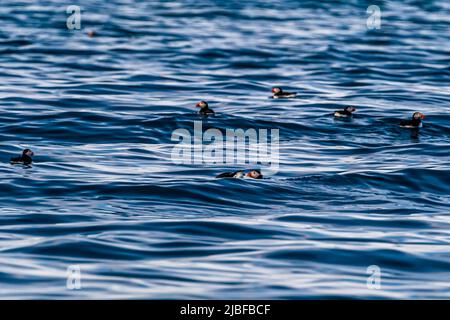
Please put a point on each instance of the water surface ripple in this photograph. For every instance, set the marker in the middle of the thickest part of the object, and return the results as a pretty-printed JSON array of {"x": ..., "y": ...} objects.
[{"x": 104, "y": 195}]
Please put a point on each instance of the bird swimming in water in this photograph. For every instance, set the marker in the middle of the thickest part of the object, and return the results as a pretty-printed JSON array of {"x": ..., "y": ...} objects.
[
  {"x": 204, "y": 108},
  {"x": 415, "y": 122},
  {"x": 243, "y": 174},
  {"x": 346, "y": 113},
  {"x": 25, "y": 158},
  {"x": 278, "y": 93}
]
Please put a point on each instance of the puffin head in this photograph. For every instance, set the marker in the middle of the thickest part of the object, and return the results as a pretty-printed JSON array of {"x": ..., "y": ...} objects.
[
  {"x": 255, "y": 174},
  {"x": 350, "y": 109},
  {"x": 276, "y": 90},
  {"x": 28, "y": 153},
  {"x": 202, "y": 104},
  {"x": 418, "y": 115}
]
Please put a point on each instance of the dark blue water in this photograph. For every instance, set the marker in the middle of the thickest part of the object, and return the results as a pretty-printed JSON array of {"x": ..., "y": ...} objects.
[{"x": 104, "y": 195}]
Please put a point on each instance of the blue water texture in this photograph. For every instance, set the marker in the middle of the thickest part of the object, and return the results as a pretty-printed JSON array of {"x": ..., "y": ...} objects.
[{"x": 104, "y": 195}]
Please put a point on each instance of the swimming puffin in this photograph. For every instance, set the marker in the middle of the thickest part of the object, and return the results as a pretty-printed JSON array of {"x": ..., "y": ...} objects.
[
  {"x": 346, "y": 113},
  {"x": 415, "y": 122},
  {"x": 278, "y": 93},
  {"x": 243, "y": 174},
  {"x": 25, "y": 158},
  {"x": 204, "y": 108}
]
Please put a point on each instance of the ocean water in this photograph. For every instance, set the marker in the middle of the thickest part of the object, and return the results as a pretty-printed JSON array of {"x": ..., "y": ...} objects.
[{"x": 105, "y": 201}]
